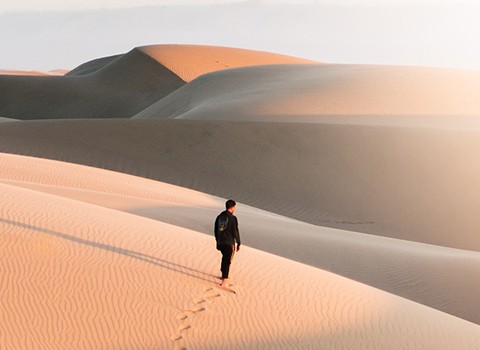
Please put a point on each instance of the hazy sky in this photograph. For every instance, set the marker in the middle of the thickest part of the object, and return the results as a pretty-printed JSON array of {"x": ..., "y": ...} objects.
[
  {"x": 62, "y": 5},
  {"x": 51, "y": 34}
]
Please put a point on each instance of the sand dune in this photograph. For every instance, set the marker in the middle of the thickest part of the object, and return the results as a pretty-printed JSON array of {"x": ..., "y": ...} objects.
[
  {"x": 387, "y": 181},
  {"x": 315, "y": 93},
  {"x": 94, "y": 65},
  {"x": 341, "y": 171},
  {"x": 121, "y": 89},
  {"x": 423, "y": 273},
  {"x": 127, "y": 281},
  {"x": 119, "y": 86},
  {"x": 191, "y": 61}
]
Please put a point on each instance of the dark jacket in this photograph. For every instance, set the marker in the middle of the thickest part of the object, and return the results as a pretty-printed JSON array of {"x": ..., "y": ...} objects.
[{"x": 230, "y": 235}]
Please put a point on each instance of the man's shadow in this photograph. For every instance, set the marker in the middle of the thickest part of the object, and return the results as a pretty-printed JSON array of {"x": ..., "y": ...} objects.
[{"x": 185, "y": 270}]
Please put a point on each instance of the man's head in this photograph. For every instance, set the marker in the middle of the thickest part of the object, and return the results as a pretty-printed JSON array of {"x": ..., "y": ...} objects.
[{"x": 230, "y": 205}]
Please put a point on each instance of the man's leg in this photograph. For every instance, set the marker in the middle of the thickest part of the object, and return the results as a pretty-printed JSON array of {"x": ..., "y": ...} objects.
[{"x": 227, "y": 254}]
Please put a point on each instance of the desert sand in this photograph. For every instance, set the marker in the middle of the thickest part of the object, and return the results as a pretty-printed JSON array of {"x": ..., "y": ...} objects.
[
  {"x": 191, "y": 61},
  {"x": 311, "y": 92},
  {"x": 355, "y": 184},
  {"x": 84, "y": 275},
  {"x": 6, "y": 119},
  {"x": 94, "y": 91},
  {"x": 33, "y": 72}
]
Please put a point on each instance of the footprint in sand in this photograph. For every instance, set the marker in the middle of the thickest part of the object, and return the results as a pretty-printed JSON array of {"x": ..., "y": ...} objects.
[
  {"x": 184, "y": 315},
  {"x": 198, "y": 308},
  {"x": 184, "y": 327},
  {"x": 212, "y": 293},
  {"x": 177, "y": 337},
  {"x": 177, "y": 341}
]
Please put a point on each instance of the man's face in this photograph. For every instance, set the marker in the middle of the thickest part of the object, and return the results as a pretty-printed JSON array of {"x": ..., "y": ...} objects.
[{"x": 232, "y": 209}]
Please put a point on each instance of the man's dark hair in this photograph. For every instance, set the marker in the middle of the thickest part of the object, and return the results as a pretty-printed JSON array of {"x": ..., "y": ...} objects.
[{"x": 230, "y": 204}]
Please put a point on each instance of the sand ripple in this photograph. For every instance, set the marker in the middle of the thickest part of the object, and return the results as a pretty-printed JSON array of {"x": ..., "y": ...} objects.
[{"x": 80, "y": 275}]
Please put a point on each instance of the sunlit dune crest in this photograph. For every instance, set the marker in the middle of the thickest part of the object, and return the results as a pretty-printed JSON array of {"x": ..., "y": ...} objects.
[{"x": 191, "y": 61}]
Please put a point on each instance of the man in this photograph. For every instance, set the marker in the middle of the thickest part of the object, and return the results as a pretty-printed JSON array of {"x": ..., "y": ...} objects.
[{"x": 226, "y": 235}]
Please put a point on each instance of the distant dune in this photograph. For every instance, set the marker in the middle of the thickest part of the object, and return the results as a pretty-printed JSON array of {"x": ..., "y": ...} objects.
[
  {"x": 356, "y": 183},
  {"x": 120, "y": 89},
  {"x": 94, "y": 65},
  {"x": 35, "y": 73},
  {"x": 316, "y": 93},
  {"x": 119, "y": 86},
  {"x": 191, "y": 61}
]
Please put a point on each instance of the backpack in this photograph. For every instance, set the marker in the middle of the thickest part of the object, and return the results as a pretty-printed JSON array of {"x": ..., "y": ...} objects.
[{"x": 222, "y": 223}]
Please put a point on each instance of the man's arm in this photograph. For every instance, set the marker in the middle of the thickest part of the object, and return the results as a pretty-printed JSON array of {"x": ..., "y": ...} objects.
[
  {"x": 215, "y": 229},
  {"x": 237, "y": 235}
]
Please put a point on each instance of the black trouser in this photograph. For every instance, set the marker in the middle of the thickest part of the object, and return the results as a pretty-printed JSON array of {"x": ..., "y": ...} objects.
[{"x": 227, "y": 256}]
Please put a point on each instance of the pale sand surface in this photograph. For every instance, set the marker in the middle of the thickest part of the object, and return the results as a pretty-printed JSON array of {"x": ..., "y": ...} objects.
[
  {"x": 83, "y": 275},
  {"x": 321, "y": 92},
  {"x": 191, "y": 61},
  {"x": 37, "y": 73}
]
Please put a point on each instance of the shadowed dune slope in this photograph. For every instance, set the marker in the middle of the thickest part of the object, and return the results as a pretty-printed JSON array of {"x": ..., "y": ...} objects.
[
  {"x": 308, "y": 92},
  {"x": 191, "y": 61},
  {"x": 120, "y": 89},
  {"x": 93, "y": 65},
  {"x": 413, "y": 184},
  {"x": 130, "y": 282}
]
